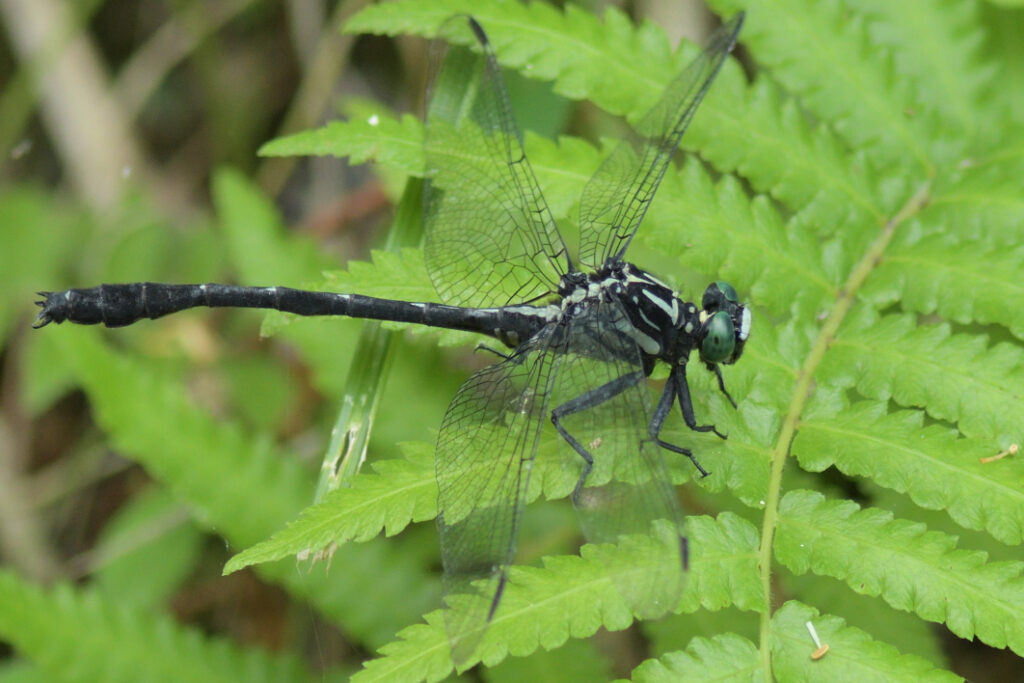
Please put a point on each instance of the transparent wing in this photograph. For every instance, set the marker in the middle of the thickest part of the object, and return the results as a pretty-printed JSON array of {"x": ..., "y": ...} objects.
[
  {"x": 485, "y": 451},
  {"x": 627, "y": 498},
  {"x": 616, "y": 198},
  {"x": 490, "y": 237}
]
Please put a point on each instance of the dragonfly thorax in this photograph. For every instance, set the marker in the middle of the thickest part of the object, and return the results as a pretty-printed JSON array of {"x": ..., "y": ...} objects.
[
  {"x": 646, "y": 309},
  {"x": 663, "y": 325}
]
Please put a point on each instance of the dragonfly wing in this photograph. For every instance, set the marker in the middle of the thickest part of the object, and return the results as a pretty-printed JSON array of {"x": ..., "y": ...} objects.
[
  {"x": 485, "y": 453},
  {"x": 616, "y": 198},
  {"x": 627, "y": 498},
  {"x": 490, "y": 237}
]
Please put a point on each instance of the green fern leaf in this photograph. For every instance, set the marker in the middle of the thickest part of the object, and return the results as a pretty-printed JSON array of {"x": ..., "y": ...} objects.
[
  {"x": 903, "y": 630},
  {"x": 936, "y": 46},
  {"x": 928, "y": 366},
  {"x": 963, "y": 282},
  {"x": 398, "y": 143},
  {"x": 577, "y": 660},
  {"x": 562, "y": 169},
  {"x": 845, "y": 83},
  {"x": 572, "y": 596},
  {"x": 852, "y": 654},
  {"x": 621, "y": 67},
  {"x": 736, "y": 130},
  {"x": 397, "y": 493},
  {"x": 711, "y": 214},
  {"x": 724, "y": 657},
  {"x": 751, "y": 127},
  {"x": 982, "y": 198},
  {"x": 910, "y": 567},
  {"x": 743, "y": 241},
  {"x": 262, "y": 252},
  {"x": 938, "y": 470},
  {"x": 104, "y": 640}
]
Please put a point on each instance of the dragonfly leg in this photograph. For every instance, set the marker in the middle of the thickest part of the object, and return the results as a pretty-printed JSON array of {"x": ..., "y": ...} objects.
[
  {"x": 686, "y": 403},
  {"x": 586, "y": 401},
  {"x": 661, "y": 414},
  {"x": 721, "y": 384},
  {"x": 496, "y": 352}
]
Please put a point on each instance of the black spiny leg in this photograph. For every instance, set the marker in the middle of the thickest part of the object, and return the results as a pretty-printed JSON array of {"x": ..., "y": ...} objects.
[
  {"x": 500, "y": 354},
  {"x": 586, "y": 401},
  {"x": 686, "y": 403},
  {"x": 661, "y": 414},
  {"x": 721, "y": 383}
]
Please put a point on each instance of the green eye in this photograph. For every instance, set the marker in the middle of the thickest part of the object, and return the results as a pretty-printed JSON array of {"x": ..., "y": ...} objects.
[
  {"x": 726, "y": 289},
  {"x": 720, "y": 339}
]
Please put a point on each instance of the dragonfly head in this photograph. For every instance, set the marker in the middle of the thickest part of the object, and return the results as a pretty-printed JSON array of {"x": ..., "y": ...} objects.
[{"x": 725, "y": 325}]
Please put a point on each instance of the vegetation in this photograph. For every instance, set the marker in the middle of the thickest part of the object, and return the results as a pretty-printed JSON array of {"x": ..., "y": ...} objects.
[{"x": 857, "y": 175}]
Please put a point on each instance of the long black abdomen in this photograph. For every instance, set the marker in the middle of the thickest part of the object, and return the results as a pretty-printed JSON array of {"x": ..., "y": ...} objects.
[{"x": 120, "y": 305}]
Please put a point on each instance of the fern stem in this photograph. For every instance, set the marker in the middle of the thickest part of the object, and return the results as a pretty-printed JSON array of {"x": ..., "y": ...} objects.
[{"x": 802, "y": 392}]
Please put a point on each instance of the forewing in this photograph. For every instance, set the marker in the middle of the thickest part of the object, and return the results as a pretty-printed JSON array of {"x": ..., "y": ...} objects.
[
  {"x": 628, "y": 498},
  {"x": 490, "y": 237},
  {"x": 616, "y": 198},
  {"x": 485, "y": 451}
]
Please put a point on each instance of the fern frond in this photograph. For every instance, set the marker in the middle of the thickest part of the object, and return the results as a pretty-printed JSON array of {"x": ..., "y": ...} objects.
[
  {"x": 739, "y": 128},
  {"x": 723, "y": 657},
  {"x": 837, "y": 133},
  {"x": 910, "y": 567},
  {"x": 262, "y": 252},
  {"x": 955, "y": 377},
  {"x": 397, "y": 142},
  {"x": 981, "y": 200},
  {"x": 749, "y": 128},
  {"x": 622, "y": 68},
  {"x": 966, "y": 282},
  {"x": 936, "y": 46},
  {"x": 573, "y": 596},
  {"x": 562, "y": 169},
  {"x": 743, "y": 240},
  {"x": 397, "y": 493},
  {"x": 903, "y": 630},
  {"x": 852, "y": 655},
  {"x": 577, "y": 660},
  {"x": 105, "y": 640},
  {"x": 846, "y": 83},
  {"x": 938, "y": 470}
]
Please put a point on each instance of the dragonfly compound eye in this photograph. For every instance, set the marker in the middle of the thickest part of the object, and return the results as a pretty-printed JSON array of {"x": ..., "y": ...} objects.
[
  {"x": 720, "y": 339},
  {"x": 719, "y": 296},
  {"x": 727, "y": 291}
]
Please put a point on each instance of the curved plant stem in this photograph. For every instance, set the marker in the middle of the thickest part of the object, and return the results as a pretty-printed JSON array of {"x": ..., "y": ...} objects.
[{"x": 801, "y": 393}]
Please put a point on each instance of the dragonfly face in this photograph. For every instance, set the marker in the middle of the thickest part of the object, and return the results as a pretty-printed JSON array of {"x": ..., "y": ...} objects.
[{"x": 724, "y": 325}]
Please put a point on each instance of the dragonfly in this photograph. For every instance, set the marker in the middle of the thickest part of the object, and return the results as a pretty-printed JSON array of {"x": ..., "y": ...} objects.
[{"x": 582, "y": 334}]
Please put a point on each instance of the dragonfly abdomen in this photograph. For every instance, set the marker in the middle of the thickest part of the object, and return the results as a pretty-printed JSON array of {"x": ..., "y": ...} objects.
[{"x": 123, "y": 304}]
